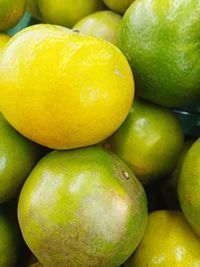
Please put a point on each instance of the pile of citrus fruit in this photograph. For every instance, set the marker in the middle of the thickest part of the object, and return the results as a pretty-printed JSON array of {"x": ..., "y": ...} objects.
[{"x": 95, "y": 168}]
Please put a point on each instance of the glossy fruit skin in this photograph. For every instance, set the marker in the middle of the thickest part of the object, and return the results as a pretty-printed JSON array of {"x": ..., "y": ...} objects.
[
  {"x": 103, "y": 24},
  {"x": 10, "y": 13},
  {"x": 189, "y": 186},
  {"x": 160, "y": 39},
  {"x": 118, "y": 5},
  {"x": 168, "y": 241},
  {"x": 9, "y": 242},
  {"x": 17, "y": 158},
  {"x": 82, "y": 207},
  {"x": 66, "y": 12},
  {"x": 150, "y": 141},
  {"x": 66, "y": 103}
]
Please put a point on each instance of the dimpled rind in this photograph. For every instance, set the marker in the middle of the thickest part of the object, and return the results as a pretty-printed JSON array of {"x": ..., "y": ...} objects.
[
  {"x": 161, "y": 41},
  {"x": 62, "y": 89}
]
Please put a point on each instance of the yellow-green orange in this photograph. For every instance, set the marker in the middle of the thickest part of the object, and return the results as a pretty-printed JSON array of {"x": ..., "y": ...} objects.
[
  {"x": 150, "y": 141},
  {"x": 17, "y": 158},
  {"x": 78, "y": 98},
  {"x": 118, "y": 5},
  {"x": 67, "y": 12},
  {"x": 102, "y": 24},
  {"x": 9, "y": 241},
  {"x": 189, "y": 186},
  {"x": 161, "y": 41},
  {"x": 168, "y": 241},
  {"x": 82, "y": 207},
  {"x": 10, "y": 13}
]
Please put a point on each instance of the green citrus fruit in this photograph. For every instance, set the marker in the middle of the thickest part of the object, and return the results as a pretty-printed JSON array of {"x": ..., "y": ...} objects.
[
  {"x": 118, "y": 5},
  {"x": 168, "y": 241},
  {"x": 102, "y": 24},
  {"x": 66, "y": 12},
  {"x": 87, "y": 209},
  {"x": 160, "y": 39},
  {"x": 10, "y": 13},
  {"x": 17, "y": 157},
  {"x": 9, "y": 241},
  {"x": 169, "y": 185},
  {"x": 150, "y": 141},
  {"x": 71, "y": 105},
  {"x": 189, "y": 186}
]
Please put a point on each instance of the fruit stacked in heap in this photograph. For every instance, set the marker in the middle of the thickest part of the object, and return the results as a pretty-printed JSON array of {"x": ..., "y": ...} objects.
[{"x": 88, "y": 139}]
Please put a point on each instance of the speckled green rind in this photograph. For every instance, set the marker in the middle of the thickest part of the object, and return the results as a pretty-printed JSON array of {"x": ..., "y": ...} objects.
[
  {"x": 189, "y": 186},
  {"x": 161, "y": 41},
  {"x": 18, "y": 156},
  {"x": 150, "y": 141},
  {"x": 11, "y": 11},
  {"x": 82, "y": 207},
  {"x": 9, "y": 242}
]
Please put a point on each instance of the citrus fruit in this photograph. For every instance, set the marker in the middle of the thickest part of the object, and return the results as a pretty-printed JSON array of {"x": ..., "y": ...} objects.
[
  {"x": 82, "y": 207},
  {"x": 78, "y": 98},
  {"x": 160, "y": 39},
  {"x": 66, "y": 12},
  {"x": 10, "y": 13},
  {"x": 189, "y": 186},
  {"x": 33, "y": 9},
  {"x": 169, "y": 185},
  {"x": 168, "y": 241},
  {"x": 118, "y": 5},
  {"x": 17, "y": 157},
  {"x": 102, "y": 24},
  {"x": 145, "y": 141},
  {"x": 4, "y": 38},
  {"x": 9, "y": 241}
]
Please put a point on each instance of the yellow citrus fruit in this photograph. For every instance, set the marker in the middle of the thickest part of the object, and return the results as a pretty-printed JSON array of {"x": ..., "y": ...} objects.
[
  {"x": 64, "y": 90},
  {"x": 11, "y": 11},
  {"x": 67, "y": 12},
  {"x": 103, "y": 24},
  {"x": 169, "y": 241},
  {"x": 4, "y": 38}
]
